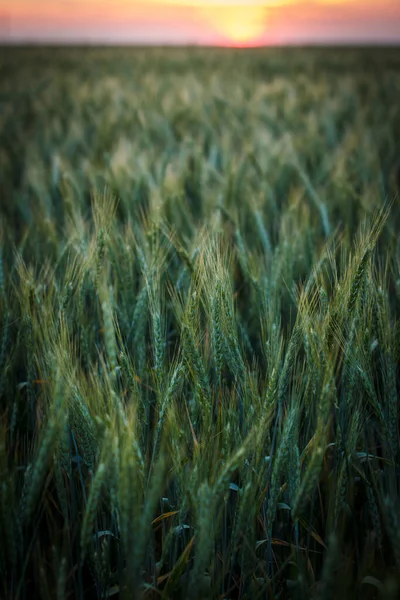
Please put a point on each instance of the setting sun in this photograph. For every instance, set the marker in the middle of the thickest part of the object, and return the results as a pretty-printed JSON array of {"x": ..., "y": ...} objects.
[
  {"x": 240, "y": 22},
  {"x": 241, "y": 25}
]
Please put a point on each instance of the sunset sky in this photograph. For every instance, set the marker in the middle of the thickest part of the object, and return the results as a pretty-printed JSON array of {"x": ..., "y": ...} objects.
[{"x": 222, "y": 22}]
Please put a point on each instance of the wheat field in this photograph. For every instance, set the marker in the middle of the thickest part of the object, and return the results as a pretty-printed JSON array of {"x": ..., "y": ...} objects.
[{"x": 199, "y": 323}]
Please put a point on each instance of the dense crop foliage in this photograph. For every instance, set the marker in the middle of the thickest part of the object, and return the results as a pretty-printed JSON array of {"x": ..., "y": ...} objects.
[{"x": 199, "y": 324}]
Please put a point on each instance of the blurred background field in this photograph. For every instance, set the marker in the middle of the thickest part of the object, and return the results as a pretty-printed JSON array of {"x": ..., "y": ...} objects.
[{"x": 199, "y": 323}]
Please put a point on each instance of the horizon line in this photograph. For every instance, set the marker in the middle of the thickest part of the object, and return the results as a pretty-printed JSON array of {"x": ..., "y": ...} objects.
[{"x": 367, "y": 43}]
